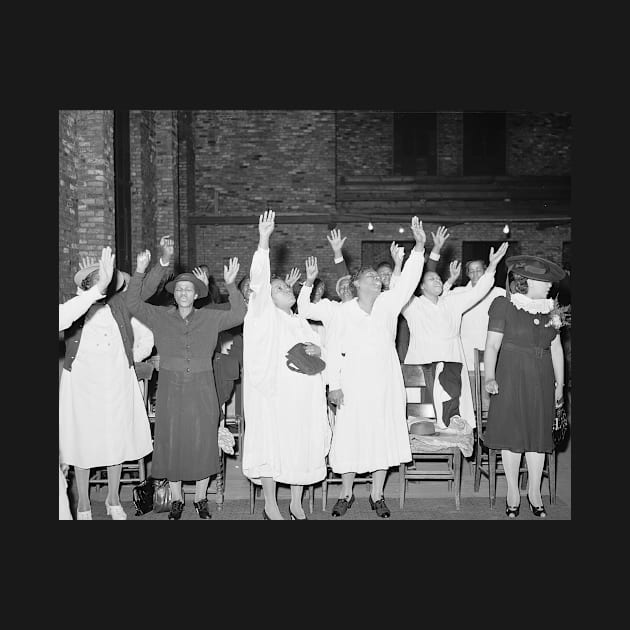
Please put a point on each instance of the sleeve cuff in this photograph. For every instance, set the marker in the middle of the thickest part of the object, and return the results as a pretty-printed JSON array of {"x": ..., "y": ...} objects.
[
  {"x": 164, "y": 264},
  {"x": 433, "y": 256},
  {"x": 338, "y": 260}
]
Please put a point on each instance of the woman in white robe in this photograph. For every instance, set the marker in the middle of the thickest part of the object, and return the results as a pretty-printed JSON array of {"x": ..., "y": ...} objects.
[
  {"x": 287, "y": 435},
  {"x": 434, "y": 321},
  {"x": 366, "y": 381}
]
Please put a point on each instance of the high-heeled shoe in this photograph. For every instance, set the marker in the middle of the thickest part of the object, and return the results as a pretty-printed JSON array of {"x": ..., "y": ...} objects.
[
  {"x": 177, "y": 507},
  {"x": 202, "y": 509},
  {"x": 294, "y": 517},
  {"x": 537, "y": 511},
  {"x": 116, "y": 512},
  {"x": 512, "y": 512}
]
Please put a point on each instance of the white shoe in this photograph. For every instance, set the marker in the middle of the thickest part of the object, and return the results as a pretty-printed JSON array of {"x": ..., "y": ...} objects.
[
  {"x": 116, "y": 512},
  {"x": 84, "y": 516}
]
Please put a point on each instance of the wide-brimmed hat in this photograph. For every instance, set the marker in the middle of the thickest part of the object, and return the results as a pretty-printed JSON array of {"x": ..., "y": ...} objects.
[
  {"x": 80, "y": 275},
  {"x": 200, "y": 287},
  {"x": 535, "y": 268}
]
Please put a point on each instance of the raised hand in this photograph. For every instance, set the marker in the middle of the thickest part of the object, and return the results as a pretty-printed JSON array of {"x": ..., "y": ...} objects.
[
  {"x": 105, "y": 269},
  {"x": 292, "y": 277},
  {"x": 142, "y": 261},
  {"x": 266, "y": 225},
  {"x": 167, "y": 245},
  {"x": 311, "y": 269},
  {"x": 230, "y": 272},
  {"x": 495, "y": 258},
  {"x": 86, "y": 261},
  {"x": 397, "y": 252},
  {"x": 455, "y": 268},
  {"x": 201, "y": 274},
  {"x": 492, "y": 387},
  {"x": 336, "y": 242},
  {"x": 312, "y": 349},
  {"x": 439, "y": 238},
  {"x": 418, "y": 233}
]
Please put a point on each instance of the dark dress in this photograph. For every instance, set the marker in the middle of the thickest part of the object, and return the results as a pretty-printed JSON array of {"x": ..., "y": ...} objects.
[
  {"x": 187, "y": 412},
  {"x": 520, "y": 416}
]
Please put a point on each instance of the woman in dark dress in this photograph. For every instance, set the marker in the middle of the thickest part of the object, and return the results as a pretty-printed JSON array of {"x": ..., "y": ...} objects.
[
  {"x": 187, "y": 414},
  {"x": 529, "y": 376}
]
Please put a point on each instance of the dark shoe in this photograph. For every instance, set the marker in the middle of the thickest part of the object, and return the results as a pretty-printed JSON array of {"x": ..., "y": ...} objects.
[
  {"x": 537, "y": 511},
  {"x": 342, "y": 506},
  {"x": 512, "y": 512},
  {"x": 202, "y": 509},
  {"x": 177, "y": 507},
  {"x": 295, "y": 518},
  {"x": 381, "y": 509},
  {"x": 265, "y": 517}
]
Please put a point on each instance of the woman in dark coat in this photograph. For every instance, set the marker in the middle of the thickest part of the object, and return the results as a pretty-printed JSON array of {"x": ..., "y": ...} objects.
[
  {"x": 187, "y": 413},
  {"x": 527, "y": 380}
]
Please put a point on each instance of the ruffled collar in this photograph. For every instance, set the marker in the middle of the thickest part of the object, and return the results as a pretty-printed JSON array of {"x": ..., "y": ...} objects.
[{"x": 529, "y": 305}]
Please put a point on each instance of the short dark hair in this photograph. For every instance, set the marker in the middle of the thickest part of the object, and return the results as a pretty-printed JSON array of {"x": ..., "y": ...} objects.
[
  {"x": 384, "y": 264},
  {"x": 89, "y": 280},
  {"x": 241, "y": 282},
  {"x": 317, "y": 282},
  {"x": 519, "y": 283}
]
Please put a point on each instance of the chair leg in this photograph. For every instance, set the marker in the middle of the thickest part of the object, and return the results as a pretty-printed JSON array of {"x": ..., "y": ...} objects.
[
  {"x": 221, "y": 481},
  {"x": 324, "y": 492},
  {"x": 552, "y": 476},
  {"x": 478, "y": 457},
  {"x": 252, "y": 497},
  {"x": 524, "y": 479},
  {"x": 458, "y": 476},
  {"x": 311, "y": 497},
  {"x": 401, "y": 484},
  {"x": 492, "y": 475},
  {"x": 142, "y": 471}
]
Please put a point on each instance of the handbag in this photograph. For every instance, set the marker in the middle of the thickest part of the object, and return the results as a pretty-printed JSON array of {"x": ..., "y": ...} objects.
[
  {"x": 560, "y": 429},
  {"x": 299, "y": 361},
  {"x": 143, "y": 497},
  {"x": 161, "y": 496}
]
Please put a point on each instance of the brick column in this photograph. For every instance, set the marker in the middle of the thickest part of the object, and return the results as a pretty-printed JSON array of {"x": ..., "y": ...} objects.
[{"x": 450, "y": 143}]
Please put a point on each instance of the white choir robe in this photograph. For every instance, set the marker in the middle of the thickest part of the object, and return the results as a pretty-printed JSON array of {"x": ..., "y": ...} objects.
[
  {"x": 434, "y": 337},
  {"x": 371, "y": 425},
  {"x": 287, "y": 435}
]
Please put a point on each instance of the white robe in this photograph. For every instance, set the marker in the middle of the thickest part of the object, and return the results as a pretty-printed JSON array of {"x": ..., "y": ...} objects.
[
  {"x": 434, "y": 337},
  {"x": 474, "y": 328},
  {"x": 287, "y": 435},
  {"x": 102, "y": 418},
  {"x": 370, "y": 427}
]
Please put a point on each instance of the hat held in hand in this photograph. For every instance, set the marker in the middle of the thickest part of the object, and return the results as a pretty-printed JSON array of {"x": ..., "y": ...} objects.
[{"x": 299, "y": 361}]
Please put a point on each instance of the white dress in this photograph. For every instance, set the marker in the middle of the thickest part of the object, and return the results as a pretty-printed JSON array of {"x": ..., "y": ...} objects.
[
  {"x": 102, "y": 418},
  {"x": 287, "y": 435},
  {"x": 370, "y": 427},
  {"x": 474, "y": 328},
  {"x": 434, "y": 337}
]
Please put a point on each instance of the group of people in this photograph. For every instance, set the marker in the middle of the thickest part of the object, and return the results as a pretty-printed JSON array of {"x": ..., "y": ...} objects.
[{"x": 344, "y": 406}]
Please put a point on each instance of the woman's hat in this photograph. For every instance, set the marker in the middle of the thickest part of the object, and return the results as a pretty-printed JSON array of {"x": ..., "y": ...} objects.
[
  {"x": 200, "y": 287},
  {"x": 82, "y": 274},
  {"x": 535, "y": 268}
]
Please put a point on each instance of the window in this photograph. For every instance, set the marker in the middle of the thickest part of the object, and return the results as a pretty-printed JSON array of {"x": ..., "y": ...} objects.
[
  {"x": 484, "y": 143},
  {"x": 415, "y": 143}
]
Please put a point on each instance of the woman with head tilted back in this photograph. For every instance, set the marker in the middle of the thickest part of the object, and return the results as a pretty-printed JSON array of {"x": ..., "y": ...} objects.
[
  {"x": 187, "y": 412},
  {"x": 286, "y": 422},
  {"x": 366, "y": 382},
  {"x": 526, "y": 381}
]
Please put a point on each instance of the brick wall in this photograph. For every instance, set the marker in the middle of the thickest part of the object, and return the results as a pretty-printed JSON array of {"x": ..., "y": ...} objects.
[
  {"x": 86, "y": 190},
  {"x": 450, "y": 134},
  {"x": 292, "y": 243},
  {"x": 252, "y": 157},
  {"x": 539, "y": 143},
  {"x": 365, "y": 143}
]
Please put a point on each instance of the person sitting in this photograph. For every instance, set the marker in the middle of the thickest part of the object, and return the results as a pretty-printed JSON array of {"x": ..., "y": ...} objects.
[
  {"x": 474, "y": 325},
  {"x": 434, "y": 320}
]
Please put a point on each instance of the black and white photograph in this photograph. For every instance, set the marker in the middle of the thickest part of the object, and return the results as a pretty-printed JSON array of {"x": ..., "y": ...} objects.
[{"x": 315, "y": 314}]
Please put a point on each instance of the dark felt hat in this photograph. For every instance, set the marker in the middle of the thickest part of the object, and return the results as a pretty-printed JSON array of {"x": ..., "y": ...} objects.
[
  {"x": 535, "y": 268},
  {"x": 200, "y": 287}
]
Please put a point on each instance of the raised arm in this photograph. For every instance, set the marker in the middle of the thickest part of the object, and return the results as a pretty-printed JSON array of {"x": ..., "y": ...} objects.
[
  {"x": 455, "y": 269},
  {"x": 320, "y": 311},
  {"x": 238, "y": 308},
  {"x": 336, "y": 244},
  {"x": 398, "y": 253},
  {"x": 153, "y": 279},
  {"x": 439, "y": 238},
  {"x": 260, "y": 271},
  {"x": 146, "y": 313}
]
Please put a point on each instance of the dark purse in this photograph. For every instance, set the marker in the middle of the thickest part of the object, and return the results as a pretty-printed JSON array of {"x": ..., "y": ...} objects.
[
  {"x": 299, "y": 361},
  {"x": 560, "y": 429},
  {"x": 161, "y": 496},
  {"x": 143, "y": 497}
]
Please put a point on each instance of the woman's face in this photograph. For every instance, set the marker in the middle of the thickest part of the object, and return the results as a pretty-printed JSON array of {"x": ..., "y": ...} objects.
[
  {"x": 282, "y": 294},
  {"x": 432, "y": 284},
  {"x": 185, "y": 293},
  {"x": 385, "y": 274},
  {"x": 319, "y": 292},
  {"x": 245, "y": 290},
  {"x": 369, "y": 282},
  {"x": 537, "y": 289},
  {"x": 345, "y": 290}
]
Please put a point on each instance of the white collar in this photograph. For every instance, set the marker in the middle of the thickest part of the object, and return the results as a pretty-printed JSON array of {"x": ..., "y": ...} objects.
[{"x": 529, "y": 305}]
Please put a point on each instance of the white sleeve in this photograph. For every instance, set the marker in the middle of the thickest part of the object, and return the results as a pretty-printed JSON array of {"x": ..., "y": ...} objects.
[
  {"x": 75, "y": 307},
  {"x": 142, "y": 340},
  {"x": 334, "y": 349},
  {"x": 399, "y": 294},
  {"x": 462, "y": 301},
  {"x": 320, "y": 311}
]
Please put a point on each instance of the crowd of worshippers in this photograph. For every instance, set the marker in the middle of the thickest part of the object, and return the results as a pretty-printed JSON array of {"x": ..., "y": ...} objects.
[{"x": 321, "y": 375}]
